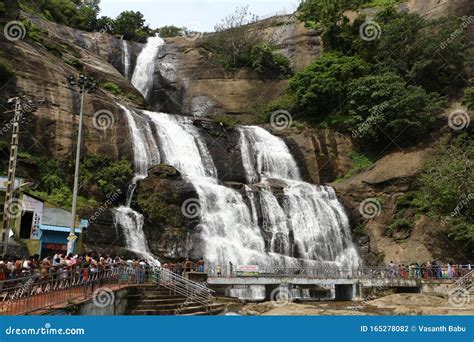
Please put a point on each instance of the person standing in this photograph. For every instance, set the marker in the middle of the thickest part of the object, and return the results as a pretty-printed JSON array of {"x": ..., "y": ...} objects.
[
  {"x": 231, "y": 268},
  {"x": 188, "y": 265},
  {"x": 200, "y": 264}
]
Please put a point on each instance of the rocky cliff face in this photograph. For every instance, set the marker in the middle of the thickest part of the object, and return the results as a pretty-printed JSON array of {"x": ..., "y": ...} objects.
[{"x": 186, "y": 83}]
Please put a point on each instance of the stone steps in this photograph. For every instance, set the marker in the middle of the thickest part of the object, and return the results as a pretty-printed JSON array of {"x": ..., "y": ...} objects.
[
  {"x": 164, "y": 306},
  {"x": 151, "y": 301},
  {"x": 161, "y": 301},
  {"x": 188, "y": 310}
]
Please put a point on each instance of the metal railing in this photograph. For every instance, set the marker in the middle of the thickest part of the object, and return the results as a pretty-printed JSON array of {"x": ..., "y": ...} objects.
[
  {"x": 30, "y": 294},
  {"x": 26, "y": 295},
  {"x": 466, "y": 281},
  {"x": 190, "y": 289},
  {"x": 336, "y": 272}
]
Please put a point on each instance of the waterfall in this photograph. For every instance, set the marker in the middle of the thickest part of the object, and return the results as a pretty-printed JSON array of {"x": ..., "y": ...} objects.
[
  {"x": 266, "y": 156},
  {"x": 145, "y": 152},
  {"x": 310, "y": 224},
  {"x": 228, "y": 227},
  {"x": 301, "y": 223},
  {"x": 125, "y": 59},
  {"x": 142, "y": 77}
]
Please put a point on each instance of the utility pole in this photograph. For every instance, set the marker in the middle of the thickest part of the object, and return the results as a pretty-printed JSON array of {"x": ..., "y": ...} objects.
[
  {"x": 85, "y": 84},
  {"x": 22, "y": 106}
]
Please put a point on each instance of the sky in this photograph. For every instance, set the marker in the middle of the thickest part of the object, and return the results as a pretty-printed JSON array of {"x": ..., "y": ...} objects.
[{"x": 197, "y": 15}]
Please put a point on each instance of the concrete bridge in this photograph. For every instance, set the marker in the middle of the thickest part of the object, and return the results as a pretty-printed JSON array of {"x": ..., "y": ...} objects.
[{"x": 320, "y": 282}]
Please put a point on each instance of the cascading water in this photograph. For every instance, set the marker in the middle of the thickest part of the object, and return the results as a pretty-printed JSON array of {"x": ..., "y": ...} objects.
[
  {"x": 303, "y": 224},
  {"x": 125, "y": 59},
  {"x": 142, "y": 77},
  {"x": 310, "y": 215},
  {"x": 228, "y": 229},
  {"x": 146, "y": 154}
]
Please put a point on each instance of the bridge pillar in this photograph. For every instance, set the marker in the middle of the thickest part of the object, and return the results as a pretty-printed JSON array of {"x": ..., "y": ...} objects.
[{"x": 346, "y": 291}]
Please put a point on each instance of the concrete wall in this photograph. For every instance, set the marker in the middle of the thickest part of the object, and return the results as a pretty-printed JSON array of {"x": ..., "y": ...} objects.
[{"x": 88, "y": 308}]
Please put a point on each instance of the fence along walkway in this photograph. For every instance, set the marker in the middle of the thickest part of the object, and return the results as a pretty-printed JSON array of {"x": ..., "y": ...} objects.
[
  {"x": 348, "y": 272},
  {"x": 30, "y": 295}
]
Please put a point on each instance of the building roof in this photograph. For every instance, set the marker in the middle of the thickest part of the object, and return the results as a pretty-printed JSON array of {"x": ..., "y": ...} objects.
[{"x": 57, "y": 228}]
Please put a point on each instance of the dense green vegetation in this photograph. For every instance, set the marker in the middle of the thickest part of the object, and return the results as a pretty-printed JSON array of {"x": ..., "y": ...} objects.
[
  {"x": 82, "y": 15},
  {"x": 322, "y": 87},
  {"x": 112, "y": 87},
  {"x": 131, "y": 25},
  {"x": 170, "y": 31},
  {"x": 238, "y": 42},
  {"x": 447, "y": 186},
  {"x": 469, "y": 98},
  {"x": 157, "y": 207},
  {"x": 395, "y": 85},
  {"x": 359, "y": 163},
  {"x": 99, "y": 177},
  {"x": 108, "y": 175},
  {"x": 445, "y": 192}
]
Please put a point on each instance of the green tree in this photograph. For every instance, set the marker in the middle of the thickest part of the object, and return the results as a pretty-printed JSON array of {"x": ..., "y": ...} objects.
[
  {"x": 393, "y": 109},
  {"x": 447, "y": 186},
  {"x": 170, "y": 31},
  {"x": 420, "y": 50},
  {"x": 321, "y": 88},
  {"x": 105, "y": 24},
  {"x": 232, "y": 43},
  {"x": 131, "y": 24}
]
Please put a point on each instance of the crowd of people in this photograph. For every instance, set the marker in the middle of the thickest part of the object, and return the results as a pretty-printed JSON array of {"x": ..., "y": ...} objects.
[
  {"x": 63, "y": 266},
  {"x": 427, "y": 270},
  {"x": 187, "y": 265},
  {"x": 85, "y": 266}
]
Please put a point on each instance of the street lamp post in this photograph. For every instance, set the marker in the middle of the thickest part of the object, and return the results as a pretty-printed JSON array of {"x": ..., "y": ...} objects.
[{"x": 86, "y": 84}]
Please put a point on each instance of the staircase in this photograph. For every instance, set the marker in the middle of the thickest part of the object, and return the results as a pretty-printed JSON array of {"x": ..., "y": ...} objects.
[
  {"x": 467, "y": 284},
  {"x": 153, "y": 300}
]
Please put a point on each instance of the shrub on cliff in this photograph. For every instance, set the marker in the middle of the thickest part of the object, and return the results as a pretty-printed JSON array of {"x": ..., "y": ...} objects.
[
  {"x": 266, "y": 62},
  {"x": 108, "y": 175},
  {"x": 321, "y": 89},
  {"x": 391, "y": 110},
  {"x": 238, "y": 42},
  {"x": 428, "y": 53},
  {"x": 170, "y": 31},
  {"x": 469, "y": 98},
  {"x": 447, "y": 186}
]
